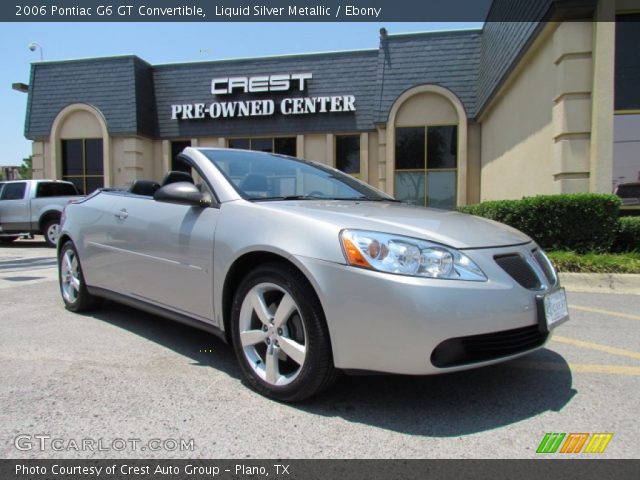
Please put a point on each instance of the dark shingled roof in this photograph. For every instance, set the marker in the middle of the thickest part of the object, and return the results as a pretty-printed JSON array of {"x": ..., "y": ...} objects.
[
  {"x": 448, "y": 59},
  {"x": 106, "y": 83},
  {"x": 136, "y": 98}
]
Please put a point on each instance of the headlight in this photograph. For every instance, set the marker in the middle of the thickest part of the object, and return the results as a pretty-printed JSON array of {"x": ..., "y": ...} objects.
[{"x": 407, "y": 256}]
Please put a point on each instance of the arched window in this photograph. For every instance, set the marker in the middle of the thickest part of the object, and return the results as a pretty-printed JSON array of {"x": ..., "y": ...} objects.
[
  {"x": 426, "y": 148},
  {"x": 80, "y": 147}
]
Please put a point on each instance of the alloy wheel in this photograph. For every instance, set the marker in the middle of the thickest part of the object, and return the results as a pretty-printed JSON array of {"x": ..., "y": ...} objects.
[
  {"x": 272, "y": 334},
  {"x": 70, "y": 276}
]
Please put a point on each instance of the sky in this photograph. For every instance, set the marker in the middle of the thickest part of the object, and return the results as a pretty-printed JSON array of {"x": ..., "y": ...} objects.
[{"x": 165, "y": 43}]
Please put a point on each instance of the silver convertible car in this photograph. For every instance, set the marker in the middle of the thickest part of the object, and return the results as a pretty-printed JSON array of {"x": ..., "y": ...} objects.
[{"x": 307, "y": 271}]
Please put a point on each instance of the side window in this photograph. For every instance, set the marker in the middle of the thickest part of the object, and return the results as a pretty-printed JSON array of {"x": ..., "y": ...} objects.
[
  {"x": 55, "y": 189},
  {"x": 13, "y": 191}
]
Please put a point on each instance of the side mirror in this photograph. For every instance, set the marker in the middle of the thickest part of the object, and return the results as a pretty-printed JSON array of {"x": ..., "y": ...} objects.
[{"x": 182, "y": 193}]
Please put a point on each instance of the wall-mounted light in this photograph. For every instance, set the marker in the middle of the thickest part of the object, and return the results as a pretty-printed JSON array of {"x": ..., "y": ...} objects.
[{"x": 20, "y": 87}]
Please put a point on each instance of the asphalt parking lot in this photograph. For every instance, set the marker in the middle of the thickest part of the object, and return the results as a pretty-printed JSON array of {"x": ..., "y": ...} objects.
[{"x": 121, "y": 374}]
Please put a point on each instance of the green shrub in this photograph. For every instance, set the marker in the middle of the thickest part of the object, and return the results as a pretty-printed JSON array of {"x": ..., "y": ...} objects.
[
  {"x": 628, "y": 236},
  {"x": 628, "y": 262},
  {"x": 580, "y": 222}
]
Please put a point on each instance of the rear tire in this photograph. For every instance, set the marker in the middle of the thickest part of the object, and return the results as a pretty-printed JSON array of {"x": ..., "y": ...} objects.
[
  {"x": 8, "y": 240},
  {"x": 280, "y": 335},
  {"x": 51, "y": 231},
  {"x": 73, "y": 288}
]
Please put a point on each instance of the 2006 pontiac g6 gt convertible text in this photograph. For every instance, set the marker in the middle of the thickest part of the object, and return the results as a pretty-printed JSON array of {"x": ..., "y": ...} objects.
[{"x": 308, "y": 271}]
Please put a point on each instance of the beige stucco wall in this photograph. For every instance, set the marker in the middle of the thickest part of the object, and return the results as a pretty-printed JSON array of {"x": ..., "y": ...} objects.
[
  {"x": 80, "y": 124},
  {"x": 474, "y": 138},
  {"x": 315, "y": 147},
  {"x": 373, "y": 174},
  {"x": 517, "y": 132},
  {"x": 41, "y": 165},
  {"x": 426, "y": 109},
  {"x": 550, "y": 128},
  {"x": 134, "y": 158}
]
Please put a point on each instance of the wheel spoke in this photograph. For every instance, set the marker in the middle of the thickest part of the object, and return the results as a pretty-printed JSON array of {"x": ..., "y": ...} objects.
[
  {"x": 294, "y": 350},
  {"x": 251, "y": 337},
  {"x": 285, "y": 309},
  {"x": 67, "y": 261},
  {"x": 272, "y": 369},
  {"x": 75, "y": 283},
  {"x": 257, "y": 302}
]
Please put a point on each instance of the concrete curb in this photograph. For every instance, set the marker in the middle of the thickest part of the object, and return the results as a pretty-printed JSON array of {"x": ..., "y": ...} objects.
[{"x": 622, "y": 283}]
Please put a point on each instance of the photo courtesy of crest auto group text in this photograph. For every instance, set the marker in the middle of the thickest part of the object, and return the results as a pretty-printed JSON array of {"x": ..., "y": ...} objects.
[{"x": 326, "y": 239}]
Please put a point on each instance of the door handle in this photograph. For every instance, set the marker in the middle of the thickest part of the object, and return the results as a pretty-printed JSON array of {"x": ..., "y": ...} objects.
[{"x": 122, "y": 214}]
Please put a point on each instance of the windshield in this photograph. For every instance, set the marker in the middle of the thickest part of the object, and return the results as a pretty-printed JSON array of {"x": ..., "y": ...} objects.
[{"x": 266, "y": 176}]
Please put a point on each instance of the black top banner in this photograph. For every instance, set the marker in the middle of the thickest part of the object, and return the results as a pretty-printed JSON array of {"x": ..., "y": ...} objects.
[{"x": 288, "y": 10}]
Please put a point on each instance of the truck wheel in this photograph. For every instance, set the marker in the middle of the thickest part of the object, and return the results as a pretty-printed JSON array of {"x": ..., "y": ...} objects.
[
  {"x": 72, "y": 286},
  {"x": 51, "y": 231},
  {"x": 8, "y": 240}
]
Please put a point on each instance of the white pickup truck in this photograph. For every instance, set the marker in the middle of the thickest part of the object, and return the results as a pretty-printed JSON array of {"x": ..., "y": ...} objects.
[{"x": 29, "y": 207}]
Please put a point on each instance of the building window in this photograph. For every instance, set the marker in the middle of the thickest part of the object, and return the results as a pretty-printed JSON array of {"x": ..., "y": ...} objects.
[
  {"x": 82, "y": 164},
  {"x": 281, "y": 145},
  {"x": 627, "y": 63},
  {"x": 626, "y": 126},
  {"x": 426, "y": 165},
  {"x": 177, "y": 164},
  {"x": 348, "y": 154}
]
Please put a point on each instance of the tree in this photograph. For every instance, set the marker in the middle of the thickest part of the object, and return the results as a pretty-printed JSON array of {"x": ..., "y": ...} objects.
[{"x": 25, "y": 170}]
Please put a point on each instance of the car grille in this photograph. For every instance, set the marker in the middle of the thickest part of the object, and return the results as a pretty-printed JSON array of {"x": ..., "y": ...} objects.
[
  {"x": 489, "y": 346},
  {"x": 518, "y": 268},
  {"x": 522, "y": 270}
]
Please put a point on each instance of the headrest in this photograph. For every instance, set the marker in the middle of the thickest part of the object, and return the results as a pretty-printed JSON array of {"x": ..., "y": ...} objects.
[
  {"x": 176, "y": 176},
  {"x": 144, "y": 187}
]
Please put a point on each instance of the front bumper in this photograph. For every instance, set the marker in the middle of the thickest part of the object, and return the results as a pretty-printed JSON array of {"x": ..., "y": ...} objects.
[{"x": 391, "y": 323}]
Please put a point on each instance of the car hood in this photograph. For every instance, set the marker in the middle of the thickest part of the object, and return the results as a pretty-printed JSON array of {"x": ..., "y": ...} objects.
[{"x": 450, "y": 228}]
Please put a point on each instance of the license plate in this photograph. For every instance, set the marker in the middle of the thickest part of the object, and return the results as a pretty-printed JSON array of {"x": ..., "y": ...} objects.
[{"x": 555, "y": 307}]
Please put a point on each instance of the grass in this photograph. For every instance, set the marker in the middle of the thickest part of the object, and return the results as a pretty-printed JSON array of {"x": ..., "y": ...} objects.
[{"x": 596, "y": 262}]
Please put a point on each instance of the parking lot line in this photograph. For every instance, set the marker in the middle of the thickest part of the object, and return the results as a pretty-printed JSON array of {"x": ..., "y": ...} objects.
[
  {"x": 579, "y": 367},
  {"x": 605, "y": 312},
  {"x": 596, "y": 346}
]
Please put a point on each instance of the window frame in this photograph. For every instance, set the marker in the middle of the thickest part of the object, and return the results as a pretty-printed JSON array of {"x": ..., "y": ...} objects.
[
  {"x": 263, "y": 137},
  {"x": 84, "y": 175},
  {"x": 426, "y": 169},
  {"x": 357, "y": 175},
  {"x": 622, "y": 111}
]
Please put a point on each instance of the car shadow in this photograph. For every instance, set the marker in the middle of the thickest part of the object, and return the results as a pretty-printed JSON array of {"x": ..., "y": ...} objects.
[
  {"x": 26, "y": 243},
  {"x": 453, "y": 404},
  {"x": 203, "y": 348},
  {"x": 446, "y": 405},
  {"x": 27, "y": 263}
]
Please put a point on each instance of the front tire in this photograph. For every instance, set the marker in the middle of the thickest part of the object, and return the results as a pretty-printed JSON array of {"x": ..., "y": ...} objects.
[
  {"x": 280, "y": 335},
  {"x": 72, "y": 285},
  {"x": 51, "y": 231}
]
